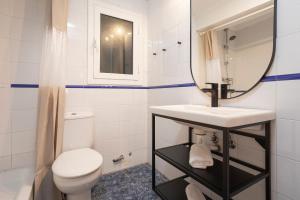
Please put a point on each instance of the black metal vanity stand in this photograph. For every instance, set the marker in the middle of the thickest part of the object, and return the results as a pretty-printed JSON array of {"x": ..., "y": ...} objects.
[{"x": 223, "y": 178}]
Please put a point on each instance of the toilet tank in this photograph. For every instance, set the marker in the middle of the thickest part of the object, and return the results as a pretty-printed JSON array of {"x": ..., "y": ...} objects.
[{"x": 78, "y": 130}]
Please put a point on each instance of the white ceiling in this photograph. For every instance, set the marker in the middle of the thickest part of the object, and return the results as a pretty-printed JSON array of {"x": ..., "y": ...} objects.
[{"x": 205, "y": 5}]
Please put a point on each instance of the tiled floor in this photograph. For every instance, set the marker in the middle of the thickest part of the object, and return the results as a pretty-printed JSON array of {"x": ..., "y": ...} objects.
[{"x": 130, "y": 184}]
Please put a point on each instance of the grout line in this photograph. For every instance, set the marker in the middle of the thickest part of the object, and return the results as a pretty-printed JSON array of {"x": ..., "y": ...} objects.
[{"x": 288, "y": 158}]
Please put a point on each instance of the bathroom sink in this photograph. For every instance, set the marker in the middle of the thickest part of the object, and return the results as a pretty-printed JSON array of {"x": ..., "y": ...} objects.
[{"x": 217, "y": 116}]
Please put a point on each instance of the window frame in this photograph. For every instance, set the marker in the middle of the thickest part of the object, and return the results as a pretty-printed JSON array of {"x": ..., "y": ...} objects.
[{"x": 94, "y": 28}]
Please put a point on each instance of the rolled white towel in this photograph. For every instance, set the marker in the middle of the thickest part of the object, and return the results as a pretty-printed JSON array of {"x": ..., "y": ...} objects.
[
  {"x": 194, "y": 193},
  {"x": 200, "y": 156}
]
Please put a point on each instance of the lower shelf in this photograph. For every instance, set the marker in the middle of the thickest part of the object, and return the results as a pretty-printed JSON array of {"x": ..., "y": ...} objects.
[
  {"x": 173, "y": 190},
  {"x": 212, "y": 177}
]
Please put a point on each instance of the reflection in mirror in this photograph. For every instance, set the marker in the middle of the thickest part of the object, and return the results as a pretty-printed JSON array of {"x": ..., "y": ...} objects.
[
  {"x": 116, "y": 54},
  {"x": 232, "y": 44}
]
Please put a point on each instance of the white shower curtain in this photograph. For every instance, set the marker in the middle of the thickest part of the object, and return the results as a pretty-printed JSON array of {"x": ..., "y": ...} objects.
[
  {"x": 212, "y": 57},
  {"x": 51, "y": 102}
]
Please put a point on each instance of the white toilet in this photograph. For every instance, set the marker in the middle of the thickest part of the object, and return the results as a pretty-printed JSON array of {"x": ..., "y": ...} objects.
[{"x": 78, "y": 168}]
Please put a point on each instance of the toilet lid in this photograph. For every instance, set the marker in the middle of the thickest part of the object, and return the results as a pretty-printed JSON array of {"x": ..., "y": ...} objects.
[{"x": 76, "y": 163}]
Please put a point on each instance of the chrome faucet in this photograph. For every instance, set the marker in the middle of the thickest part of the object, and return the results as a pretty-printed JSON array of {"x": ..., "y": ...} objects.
[{"x": 214, "y": 90}]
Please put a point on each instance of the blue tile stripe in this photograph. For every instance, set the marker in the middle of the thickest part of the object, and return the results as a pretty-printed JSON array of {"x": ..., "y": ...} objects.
[
  {"x": 109, "y": 86},
  {"x": 104, "y": 87},
  {"x": 172, "y": 86},
  {"x": 24, "y": 85},
  {"x": 284, "y": 77},
  {"x": 131, "y": 87}
]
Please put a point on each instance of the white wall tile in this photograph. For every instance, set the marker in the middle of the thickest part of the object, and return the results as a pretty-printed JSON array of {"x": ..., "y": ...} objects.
[
  {"x": 274, "y": 173},
  {"x": 135, "y": 142},
  {"x": 5, "y": 26},
  {"x": 23, "y": 160},
  {"x": 287, "y": 54},
  {"x": 297, "y": 141},
  {"x": 113, "y": 108},
  {"x": 273, "y": 70},
  {"x": 288, "y": 139},
  {"x": 76, "y": 76},
  {"x": 288, "y": 10},
  {"x": 251, "y": 155},
  {"x": 255, "y": 192},
  {"x": 5, "y": 105},
  {"x": 139, "y": 156},
  {"x": 285, "y": 137},
  {"x": 4, "y": 50},
  {"x": 6, "y": 7},
  {"x": 24, "y": 98},
  {"x": 140, "y": 126},
  {"x": 288, "y": 177},
  {"x": 24, "y": 73},
  {"x": 5, "y": 163},
  {"x": 282, "y": 197},
  {"x": 26, "y": 29},
  {"x": 27, "y": 8},
  {"x": 77, "y": 97},
  {"x": 287, "y": 105},
  {"x": 77, "y": 52},
  {"x": 106, "y": 114},
  {"x": 127, "y": 128},
  {"x": 5, "y": 74},
  {"x": 108, "y": 130},
  {"x": 109, "y": 166},
  {"x": 262, "y": 97},
  {"x": 5, "y": 145},
  {"x": 25, "y": 51},
  {"x": 23, "y": 142},
  {"x": 23, "y": 120},
  {"x": 77, "y": 20},
  {"x": 100, "y": 97},
  {"x": 20, "y": 53},
  {"x": 110, "y": 148},
  {"x": 139, "y": 97},
  {"x": 169, "y": 171}
]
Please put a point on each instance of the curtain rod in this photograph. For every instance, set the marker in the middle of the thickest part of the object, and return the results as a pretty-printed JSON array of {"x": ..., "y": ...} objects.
[{"x": 237, "y": 19}]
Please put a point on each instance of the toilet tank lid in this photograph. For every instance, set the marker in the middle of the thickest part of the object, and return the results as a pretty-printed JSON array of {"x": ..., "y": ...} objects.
[{"x": 78, "y": 115}]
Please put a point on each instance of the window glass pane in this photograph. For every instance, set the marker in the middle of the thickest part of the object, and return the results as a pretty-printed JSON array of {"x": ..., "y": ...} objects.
[{"x": 116, "y": 51}]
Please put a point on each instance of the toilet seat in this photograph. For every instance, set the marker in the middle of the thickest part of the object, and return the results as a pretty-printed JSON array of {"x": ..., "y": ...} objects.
[{"x": 77, "y": 163}]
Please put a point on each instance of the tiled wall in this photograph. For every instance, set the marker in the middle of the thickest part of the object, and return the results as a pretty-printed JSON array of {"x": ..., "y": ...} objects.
[
  {"x": 120, "y": 114},
  {"x": 120, "y": 123},
  {"x": 21, "y": 23},
  {"x": 287, "y": 100},
  {"x": 168, "y": 23},
  {"x": 282, "y": 96}
]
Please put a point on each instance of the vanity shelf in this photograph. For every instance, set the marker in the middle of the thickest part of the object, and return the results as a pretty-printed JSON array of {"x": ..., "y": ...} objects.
[
  {"x": 174, "y": 189},
  {"x": 224, "y": 178},
  {"x": 178, "y": 156}
]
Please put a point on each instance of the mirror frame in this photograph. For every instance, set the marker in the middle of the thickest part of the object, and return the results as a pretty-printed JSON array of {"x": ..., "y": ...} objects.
[{"x": 271, "y": 59}]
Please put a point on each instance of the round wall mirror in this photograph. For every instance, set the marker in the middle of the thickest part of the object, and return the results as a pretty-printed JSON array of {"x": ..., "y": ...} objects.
[{"x": 232, "y": 44}]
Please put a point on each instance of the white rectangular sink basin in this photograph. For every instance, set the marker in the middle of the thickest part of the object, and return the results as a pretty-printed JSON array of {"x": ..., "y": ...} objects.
[{"x": 217, "y": 116}]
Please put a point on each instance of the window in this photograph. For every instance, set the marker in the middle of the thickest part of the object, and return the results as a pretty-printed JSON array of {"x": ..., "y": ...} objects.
[
  {"x": 114, "y": 48},
  {"x": 116, "y": 53}
]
